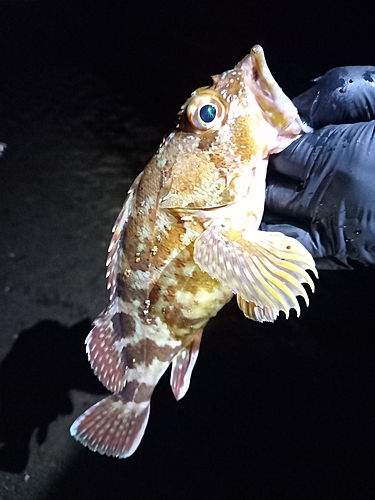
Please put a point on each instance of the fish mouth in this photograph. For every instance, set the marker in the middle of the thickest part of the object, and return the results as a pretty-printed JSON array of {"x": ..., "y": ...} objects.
[{"x": 277, "y": 108}]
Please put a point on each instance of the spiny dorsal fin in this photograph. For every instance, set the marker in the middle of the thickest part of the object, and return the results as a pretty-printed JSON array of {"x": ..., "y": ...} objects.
[{"x": 118, "y": 232}]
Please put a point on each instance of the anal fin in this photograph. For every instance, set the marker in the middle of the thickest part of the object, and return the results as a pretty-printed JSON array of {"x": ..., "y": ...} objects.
[{"x": 182, "y": 367}]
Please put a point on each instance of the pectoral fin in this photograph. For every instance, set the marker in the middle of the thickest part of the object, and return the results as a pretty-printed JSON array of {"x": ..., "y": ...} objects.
[
  {"x": 266, "y": 269},
  {"x": 261, "y": 314}
]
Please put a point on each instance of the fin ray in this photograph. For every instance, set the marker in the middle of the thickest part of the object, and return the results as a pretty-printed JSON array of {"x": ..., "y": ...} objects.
[
  {"x": 182, "y": 367},
  {"x": 118, "y": 234},
  {"x": 280, "y": 291},
  {"x": 106, "y": 354},
  {"x": 112, "y": 427},
  {"x": 266, "y": 269},
  {"x": 273, "y": 296},
  {"x": 261, "y": 314}
]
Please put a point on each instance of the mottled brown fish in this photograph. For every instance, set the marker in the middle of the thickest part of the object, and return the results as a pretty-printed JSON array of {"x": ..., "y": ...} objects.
[{"x": 186, "y": 240}]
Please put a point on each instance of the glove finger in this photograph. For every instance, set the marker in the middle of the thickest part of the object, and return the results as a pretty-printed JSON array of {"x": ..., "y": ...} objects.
[
  {"x": 342, "y": 95},
  {"x": 336, "y": 202},
  {"x": 282, "y": 197},
  {"x": 297, "y": 160},
  {"x": 333, "y": 147}
]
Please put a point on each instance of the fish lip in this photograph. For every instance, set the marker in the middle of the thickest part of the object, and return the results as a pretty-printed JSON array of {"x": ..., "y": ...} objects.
[
  {"x": 250, "y": 70},
  {"x": 257, "y": 75},
  {"x": 276, "y": 106}
]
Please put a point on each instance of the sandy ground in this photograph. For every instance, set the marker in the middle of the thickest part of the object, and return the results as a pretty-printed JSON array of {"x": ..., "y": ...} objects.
[
  {"x": 73, "y": 150},
  {"x": 272, "y": 408},
  {"x": 274, "y": 411}
]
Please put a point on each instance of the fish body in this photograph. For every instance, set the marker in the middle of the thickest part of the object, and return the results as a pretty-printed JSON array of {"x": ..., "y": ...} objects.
[{"x": 185, "y": 241}]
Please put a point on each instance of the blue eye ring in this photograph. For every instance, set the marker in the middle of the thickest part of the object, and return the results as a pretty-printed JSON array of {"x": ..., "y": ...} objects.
[{"x": 206, "y": 110}]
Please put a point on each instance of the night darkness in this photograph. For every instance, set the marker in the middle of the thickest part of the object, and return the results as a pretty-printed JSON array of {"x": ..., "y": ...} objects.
[{"x": 87, "y": 91}]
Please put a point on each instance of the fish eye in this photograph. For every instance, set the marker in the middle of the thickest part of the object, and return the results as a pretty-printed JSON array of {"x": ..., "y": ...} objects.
[
  {"x": 207, "y": 113},
  {"x": 205, "y": 110}
]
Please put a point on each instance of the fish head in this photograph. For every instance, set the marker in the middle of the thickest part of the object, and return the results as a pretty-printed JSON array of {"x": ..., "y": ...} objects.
[
  {"x": 225, "y": 132},
  {"x": 248, "y": 90}
]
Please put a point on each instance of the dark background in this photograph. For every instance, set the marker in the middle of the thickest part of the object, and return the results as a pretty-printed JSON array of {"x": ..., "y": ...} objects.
[{"x": 87, "y": 91}]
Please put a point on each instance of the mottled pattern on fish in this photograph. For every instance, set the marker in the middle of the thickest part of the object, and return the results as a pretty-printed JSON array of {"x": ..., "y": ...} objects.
[{"x": 186, "y": 240}]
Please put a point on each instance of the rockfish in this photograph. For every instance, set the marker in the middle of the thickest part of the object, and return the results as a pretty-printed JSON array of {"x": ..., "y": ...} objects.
[{"x": 185, "y": 241}]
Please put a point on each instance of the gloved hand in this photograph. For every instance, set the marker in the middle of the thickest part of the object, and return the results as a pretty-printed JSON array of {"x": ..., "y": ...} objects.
[{"x": 321, "y": 189}]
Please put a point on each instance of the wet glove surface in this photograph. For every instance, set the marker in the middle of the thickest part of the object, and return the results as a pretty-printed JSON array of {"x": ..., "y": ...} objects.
[
  {"x": 321, "y": 189},
  {"x": 342, "y": 95}
]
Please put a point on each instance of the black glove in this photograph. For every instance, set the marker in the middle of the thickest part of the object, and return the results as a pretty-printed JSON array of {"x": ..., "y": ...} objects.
[
  {"x": 342, "y": 95},
  {"x": 321, "y": 189}
]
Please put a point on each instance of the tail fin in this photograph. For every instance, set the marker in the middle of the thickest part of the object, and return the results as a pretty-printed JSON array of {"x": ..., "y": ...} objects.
[{"x": 112, "y": 427}]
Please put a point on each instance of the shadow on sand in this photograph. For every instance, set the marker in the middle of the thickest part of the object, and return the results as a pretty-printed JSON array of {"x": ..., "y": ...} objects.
[{"x": 44, "y": 364}]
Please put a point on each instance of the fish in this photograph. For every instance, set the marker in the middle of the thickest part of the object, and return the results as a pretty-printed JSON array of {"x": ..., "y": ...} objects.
[{"x": 186, "y": 241}]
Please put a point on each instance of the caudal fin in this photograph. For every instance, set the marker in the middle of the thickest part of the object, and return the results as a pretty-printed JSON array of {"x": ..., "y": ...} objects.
[{"x": 112, "y": 427}]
